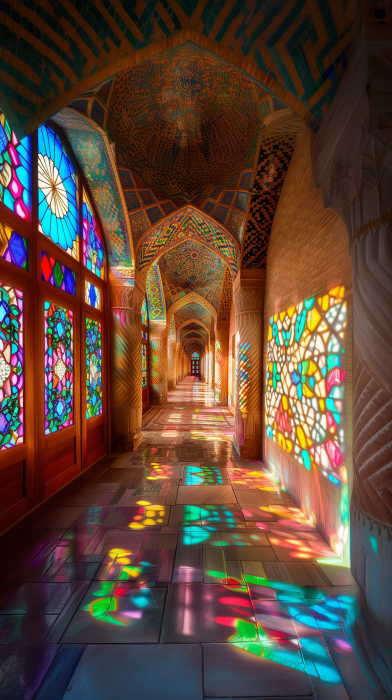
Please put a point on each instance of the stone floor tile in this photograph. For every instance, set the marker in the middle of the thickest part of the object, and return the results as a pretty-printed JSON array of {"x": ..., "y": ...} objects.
[
  {"x": 170, "y": 672},
  {"x": 22, "y": 669},
  {"x": 254, "y": 670},
  {"x": 25, "y": 629}
]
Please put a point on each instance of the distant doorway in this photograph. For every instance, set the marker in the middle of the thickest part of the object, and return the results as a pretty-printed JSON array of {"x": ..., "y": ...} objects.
[{"x": 195, "y": 359}]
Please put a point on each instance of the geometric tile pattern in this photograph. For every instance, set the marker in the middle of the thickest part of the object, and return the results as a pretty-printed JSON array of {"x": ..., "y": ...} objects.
[
  {"x": 185, "y": 119},
  {"x": 226, "y": 298},
  {"x": 91, "y": 152},
  {"x": 156, "y": 300},
  {"x": 304, "y": 46},
  {"x": 187, "y": 223},
  {"x": 274, "y": 159}
]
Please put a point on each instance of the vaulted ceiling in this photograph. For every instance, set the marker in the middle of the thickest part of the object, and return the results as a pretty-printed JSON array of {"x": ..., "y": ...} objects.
[{"x": 184, "y": 121}]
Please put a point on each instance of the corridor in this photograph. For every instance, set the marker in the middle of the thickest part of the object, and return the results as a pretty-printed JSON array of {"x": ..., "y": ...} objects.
[{"x": 178, "y": 571}]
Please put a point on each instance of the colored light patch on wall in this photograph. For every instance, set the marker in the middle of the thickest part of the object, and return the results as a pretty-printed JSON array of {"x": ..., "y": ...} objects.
[
  {"x": 305, "y": 390},
  {"x": 144, "y": 365},
  {"x": 93, "y": 253},
  {"x": 58, "y": 216},
  {"x": 144, "y": 313},
  {"x": 92, "y": 295},
  {"x": 15, "y": 171},
  {"x": 93, "y": 368},
  {"x": 13, "y": 247},
  {"x": 11, "y": 367},
  {"x": 58, "y": 368},
  {"x": 58, "y": 275}
]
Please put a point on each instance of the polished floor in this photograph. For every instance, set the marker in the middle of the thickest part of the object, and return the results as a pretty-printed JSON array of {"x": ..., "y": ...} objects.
[{"x": 178, "y": 572}]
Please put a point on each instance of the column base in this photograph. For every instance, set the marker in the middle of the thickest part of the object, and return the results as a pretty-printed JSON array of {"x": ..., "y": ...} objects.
[
  {"x": 248, "y": 434},
  {"x": 126, "y": 442},
  {"x": 250, "y": 449},
  {"x": 158, "y": 394},
  {"x": 171, "y": 384}
]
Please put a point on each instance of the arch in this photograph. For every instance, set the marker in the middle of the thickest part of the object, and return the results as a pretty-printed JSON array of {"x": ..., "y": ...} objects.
[
  {"x": 187, "y": 223},
  {"x": 252, "y": 55},
  {"x": 156, "y": 299},
  {"x": 197, "y": 335},
  {"x": 92, "y": 149},
  {"x": 192, "y": 297},
  {"x": 193, "y": 320},
  {"x": 192, "y": 343}
]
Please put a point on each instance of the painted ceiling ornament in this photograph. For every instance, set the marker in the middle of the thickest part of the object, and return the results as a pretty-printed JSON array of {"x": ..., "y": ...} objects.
[{"x": 186, "y": 120}]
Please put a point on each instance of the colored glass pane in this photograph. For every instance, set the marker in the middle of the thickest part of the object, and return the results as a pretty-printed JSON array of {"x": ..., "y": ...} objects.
[
  {"x": 58, "y": 368},
  {"x": 13, "y": 247},
  {"x": 11, "y": 366},
  {"x": 92, "y": 295},
  {"x": 58, "y": 216},
  {"x": 57, "y": 274},
  {"x": 144, "y": 313},
  {"x": 15, "y": 171},
  {"x": 93, "y": 368},
  {"x": 93, "y": 254},
  {"x": 305, "y": 387},
  {"x": 144, "y": 365}
]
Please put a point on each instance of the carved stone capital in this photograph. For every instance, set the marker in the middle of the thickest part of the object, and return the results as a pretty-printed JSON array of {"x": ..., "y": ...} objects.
[
  {"x": 126, "y": 294},
  {"x": 247, "y": 298}
]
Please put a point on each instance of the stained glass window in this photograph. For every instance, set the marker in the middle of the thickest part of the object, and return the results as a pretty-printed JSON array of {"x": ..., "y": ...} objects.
[
  {"x": 58, "y": 368},
  {"x": 15, "y": 171},
  {"x": 13, "y": 247},
  {"x": 144, "y": 365},
  {"x": 305, "y": 382},
  {"x": 92, "y": 295},
  {"x": 11, "y": 366},
  {"x": 144, "y": 313},
  {"x": 93, "y": 255},
  {"x": 57, "y": 192},
  {"x": 93, "y": 368},
  {"x": 57, "y": 274}
]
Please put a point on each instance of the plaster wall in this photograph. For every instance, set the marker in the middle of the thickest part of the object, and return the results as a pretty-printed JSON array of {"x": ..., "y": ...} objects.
[{"x": 308, "y": 255}]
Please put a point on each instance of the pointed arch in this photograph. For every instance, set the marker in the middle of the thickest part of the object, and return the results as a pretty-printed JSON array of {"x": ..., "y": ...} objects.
[
  {"x": 192, "y": 297},
  {"x": 187, "y": 223},
  {"x": 193, "y": 320}
]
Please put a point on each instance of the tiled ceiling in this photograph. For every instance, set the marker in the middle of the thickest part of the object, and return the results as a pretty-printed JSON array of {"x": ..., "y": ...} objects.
[{"x": 184, "y": 120}]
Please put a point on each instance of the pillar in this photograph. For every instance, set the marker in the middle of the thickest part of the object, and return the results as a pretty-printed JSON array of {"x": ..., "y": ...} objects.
[
  {"x": 158, "y": 362},
  {"x": 248, "y": 300},
  {"x": 221, "y": 363},
  {"x": 126, "y": 368},
  {"x": 171, "y": 363},
  {"x": 211, "y": 363},
  {"x": 352, "y": 165}
]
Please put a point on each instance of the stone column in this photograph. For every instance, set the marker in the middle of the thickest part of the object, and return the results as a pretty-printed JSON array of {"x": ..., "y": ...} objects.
[
  {"x": 171, "y": 363},
  {"x": 249, "y": 299},
  {"x": 126, "y": 367},
  {"x": 221, "y": 363},
  {"x": 211, "y": 363},
  {"x": 158, "y": 362},
  {"x": 352, "y": 165}
]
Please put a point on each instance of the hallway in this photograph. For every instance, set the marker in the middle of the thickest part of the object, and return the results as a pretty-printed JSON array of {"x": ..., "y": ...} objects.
[{"x": 179, "y": 567}]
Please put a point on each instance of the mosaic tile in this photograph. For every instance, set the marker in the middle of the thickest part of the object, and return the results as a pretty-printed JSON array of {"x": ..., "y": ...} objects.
[
  {"x": 241, "y": 201},
  {"x": 132, "y": 200},
  {"x": 205, "y": 97},
  {"x": 154, "y": 214}
]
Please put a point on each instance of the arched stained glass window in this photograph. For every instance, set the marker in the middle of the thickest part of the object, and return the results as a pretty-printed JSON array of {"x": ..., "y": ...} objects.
[
  {"x": 15, "y": 171},
  {"x": 195, "y": 356},
  {"x": 11, "y": 366},
  {"x": 57, "y": 192},
  {"x": 144, "y": 313},
  {"x": 58, "y": 368},
  {"x": 93, "y": 368},
  {"x": 93, "y": 255}
]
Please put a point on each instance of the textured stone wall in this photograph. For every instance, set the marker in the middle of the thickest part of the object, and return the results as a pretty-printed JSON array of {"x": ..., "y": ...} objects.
[{"x": 308, "y": 255}]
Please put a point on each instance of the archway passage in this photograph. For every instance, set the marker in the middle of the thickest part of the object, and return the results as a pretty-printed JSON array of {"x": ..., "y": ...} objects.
[{"x": 195, "y": 361}]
